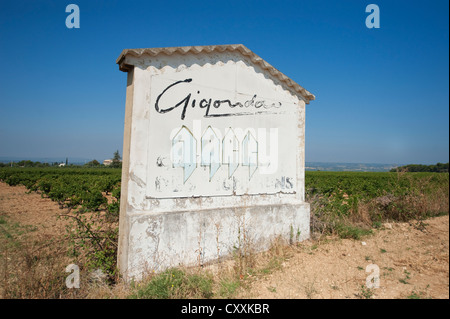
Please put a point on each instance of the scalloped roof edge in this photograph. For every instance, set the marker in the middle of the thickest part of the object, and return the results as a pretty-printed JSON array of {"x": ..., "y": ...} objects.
[{"x": 308, "y": 96}]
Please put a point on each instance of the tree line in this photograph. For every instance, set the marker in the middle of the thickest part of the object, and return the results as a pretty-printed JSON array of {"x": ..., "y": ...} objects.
[
  {"x": 115, "y": 163},
  {"x": 437, "y": 168}
]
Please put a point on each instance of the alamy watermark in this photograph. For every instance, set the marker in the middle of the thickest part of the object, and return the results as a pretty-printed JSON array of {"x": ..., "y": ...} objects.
[
  {"x": 373, "y": 19},
  {"x": 73, "y": 280},
  {"x": 235, "y": 146},
  {"x": 73, "y": 19},
  {"x": 373, "y": 280}
]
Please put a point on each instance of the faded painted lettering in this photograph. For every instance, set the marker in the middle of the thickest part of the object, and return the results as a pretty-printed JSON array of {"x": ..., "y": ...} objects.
[{"x": 220, "y": 108}]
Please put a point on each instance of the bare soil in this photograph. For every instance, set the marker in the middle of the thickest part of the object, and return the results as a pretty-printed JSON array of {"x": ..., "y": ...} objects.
[
  {"x": 17, "y": 206},
  {"x": 412, "y": 258}
]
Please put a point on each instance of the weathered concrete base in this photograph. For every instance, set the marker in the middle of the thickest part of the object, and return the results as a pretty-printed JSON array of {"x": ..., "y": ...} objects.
[{"x": 158, "y": 241}]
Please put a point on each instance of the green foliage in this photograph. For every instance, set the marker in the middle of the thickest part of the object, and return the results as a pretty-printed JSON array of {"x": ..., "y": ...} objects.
[
  {"x": 25, "y": 163},
  {"x": 414, "y": 295},
  {"x": 365, "y": 293},
  {"x": 93, "y": 163},
  {"x": 228, "y": 288},
  {"x": 116, "y": 162},
  {"x": 438, "y": 168},
  {"x": 339, "y": 199},
  {"x": 94, "y": 237},
  {"x": 70, "y": 187},
  {"x": 175, "y": 284},
  {"x": 353, "y": 232}
]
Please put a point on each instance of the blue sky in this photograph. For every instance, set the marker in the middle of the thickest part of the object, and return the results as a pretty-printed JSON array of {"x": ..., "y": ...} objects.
[{"x": 382, "y": 94}]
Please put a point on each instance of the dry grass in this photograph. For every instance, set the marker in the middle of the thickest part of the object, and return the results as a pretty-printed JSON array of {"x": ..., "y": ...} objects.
[{"x": 31, "y": 268}]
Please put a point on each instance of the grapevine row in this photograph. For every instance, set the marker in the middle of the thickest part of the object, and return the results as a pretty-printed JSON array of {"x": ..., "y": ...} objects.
[{"x": 73, "y": 187}]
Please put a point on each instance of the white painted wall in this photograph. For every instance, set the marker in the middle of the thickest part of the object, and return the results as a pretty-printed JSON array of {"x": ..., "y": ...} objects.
[{"x": 169, "y": 206}]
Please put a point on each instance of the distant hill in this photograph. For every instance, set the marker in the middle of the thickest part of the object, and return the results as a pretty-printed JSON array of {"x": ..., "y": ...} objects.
[
  {"x": 72, "y": 160},
  {"x": 350, "y": 167},
  {"x": 309, "y": 166}
]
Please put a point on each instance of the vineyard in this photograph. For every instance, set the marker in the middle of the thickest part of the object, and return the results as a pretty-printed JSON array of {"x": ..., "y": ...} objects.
[
  {"x": 392, "y": 195},
  {"x": 89, "y": 188},
  {"x": 346, "y": 191},
  {"x": 346, "y": 204}
]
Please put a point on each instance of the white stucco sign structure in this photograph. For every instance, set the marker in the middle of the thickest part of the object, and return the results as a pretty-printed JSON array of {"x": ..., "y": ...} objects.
[{"x": 213, "y": 157}]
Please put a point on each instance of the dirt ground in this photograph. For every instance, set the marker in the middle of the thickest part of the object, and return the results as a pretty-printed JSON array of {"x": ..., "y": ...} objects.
[
  {"x": 411, "y": 260},
  {"x": 31, "y": 210}
]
